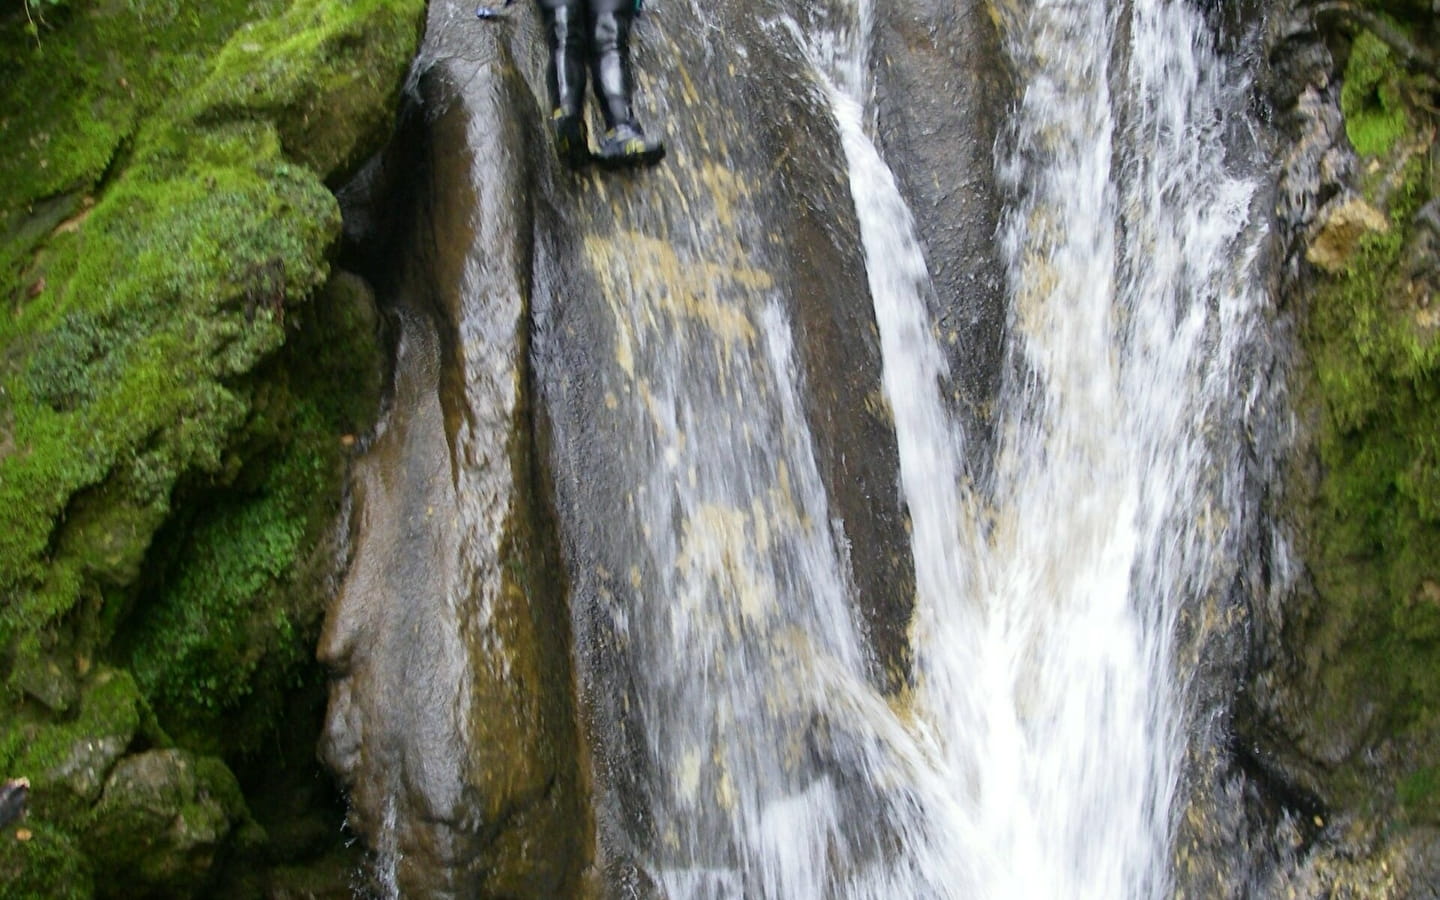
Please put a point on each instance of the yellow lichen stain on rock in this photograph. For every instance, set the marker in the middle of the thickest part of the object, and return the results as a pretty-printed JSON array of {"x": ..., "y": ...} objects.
[
  {"x": 726, "y": 187},
  {"x": 725, "y": 792},
  {"x": 1039, "y": 281},
  {"x": 1343, "y": 224},
  {"x": 645, "y": 279},
  {"x": 687, "y": 91},
  {"x": 658, "y": 287},
  {"x": 787, "y": 512},
  {"x": 718, "y": 549},
  {"x": 689, "y": 775},
  {"x": 762, "y": 527}
]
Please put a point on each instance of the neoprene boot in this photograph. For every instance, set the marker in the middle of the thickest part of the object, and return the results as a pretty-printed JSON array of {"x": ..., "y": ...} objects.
[
  {"x": 566, "y": 80},
  {"x": 624, "y": 143}
]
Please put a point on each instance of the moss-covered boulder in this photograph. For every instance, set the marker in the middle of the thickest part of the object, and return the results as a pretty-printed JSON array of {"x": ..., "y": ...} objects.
[
  {"x": 161, "y": 820},
  {"x": 181, "y": 373},
  {"x": 67, "y": 761}
]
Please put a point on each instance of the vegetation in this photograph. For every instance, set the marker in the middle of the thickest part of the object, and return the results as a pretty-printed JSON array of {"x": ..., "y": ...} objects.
[
  {"x": 177, "y": 368},
  {"x": 1373, "y": 648},
  {"x": 1375, "y": 113}
]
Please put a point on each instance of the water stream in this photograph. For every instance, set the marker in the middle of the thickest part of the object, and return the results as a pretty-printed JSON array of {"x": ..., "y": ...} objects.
[{"x": 1048, "y": 599}]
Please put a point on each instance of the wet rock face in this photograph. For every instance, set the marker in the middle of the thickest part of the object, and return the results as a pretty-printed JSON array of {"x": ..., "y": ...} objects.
[
  {"x": 452, "y": 723},
  {"x": 678, "y": 314},
  {"x": 943, "y": 90},
  {"x": 1338, "y": 723},
  {"x": 449, "y": 723}
]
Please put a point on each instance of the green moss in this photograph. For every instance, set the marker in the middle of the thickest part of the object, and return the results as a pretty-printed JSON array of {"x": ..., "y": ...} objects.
[
  {"x": 165, "y": 371},
  {"x": 133, "y": 308},
  {"x": 49, "y": 864},
  {"x": 75, "y": 99},
  {"x": 327, "y": 73},
  {"x": 1365, "y": 337},
  {"x": 215, "y": 618},
  {"x": 127, "y": 381},
  {"x": 1372, "y": 647},
  {"x": 231, "y": 615},
  {"x": 110, "y": 707},
  {"x": 1375, "y": 115},
  {"x": 1420, "y": 793},
  {"x": 67, "y": 758}
]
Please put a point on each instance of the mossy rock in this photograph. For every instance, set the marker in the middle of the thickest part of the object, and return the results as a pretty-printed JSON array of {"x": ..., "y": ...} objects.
[
  {"x": 126, "y": 385},
  {"x": 67, "y": 759},
  {"x": 163, "y": 817},
  {"x": 40, "y": 860},
  {"x": 1376, "y": 116},
  {"x": 1369, "y": 647},
  {"x": 161, "y": 274},
  {"x": 322, "y": 71},
  {"x": 235, "y": 592},
  {"x": 135, "y": 321},
  {"x": 178, "y": 366}
]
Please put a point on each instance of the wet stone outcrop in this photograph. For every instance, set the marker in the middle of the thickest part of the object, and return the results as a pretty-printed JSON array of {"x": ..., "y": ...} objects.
[
  {"x": 943, "y": 90},
  {"x": 1338, "y": 727},
  {"x": 695, "y": 326},
  {"x": 450, "y": 723},
  {"x": 504, "y": 708}
]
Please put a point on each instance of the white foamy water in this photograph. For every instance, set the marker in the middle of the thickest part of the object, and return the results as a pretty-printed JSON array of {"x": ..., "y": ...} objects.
[{"x": 1044, "y": 639}]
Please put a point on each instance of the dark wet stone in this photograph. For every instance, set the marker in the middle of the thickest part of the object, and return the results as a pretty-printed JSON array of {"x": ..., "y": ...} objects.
[
  {"x": 13, "y": 793},
  {"x": 450, "y": 724},
  {"x": 944, "y": 91}
]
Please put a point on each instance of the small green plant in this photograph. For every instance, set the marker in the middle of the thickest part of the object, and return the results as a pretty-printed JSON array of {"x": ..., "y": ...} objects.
[{"x": 1374, "y": 112}]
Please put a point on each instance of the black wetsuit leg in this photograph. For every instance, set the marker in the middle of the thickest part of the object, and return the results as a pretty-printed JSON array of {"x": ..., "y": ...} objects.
[
  {"x": 566, "y": 24},
  {"x": 610, "y": 58},
  {"x": 624, "y": 144}
]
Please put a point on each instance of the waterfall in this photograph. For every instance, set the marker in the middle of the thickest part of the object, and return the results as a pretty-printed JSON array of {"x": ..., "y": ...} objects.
[
  {"x": 1044, "y": 632},
  {"x": 739, "y": 741}
]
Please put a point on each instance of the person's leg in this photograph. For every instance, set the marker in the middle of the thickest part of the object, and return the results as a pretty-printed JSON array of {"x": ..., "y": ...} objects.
[
  {"x": 624, "y": 142},
  {"x": 565, "y": 28}
]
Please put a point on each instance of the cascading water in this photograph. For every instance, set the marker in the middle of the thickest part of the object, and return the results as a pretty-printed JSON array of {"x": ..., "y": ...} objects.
[{"x": 1044, "y": 639}]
